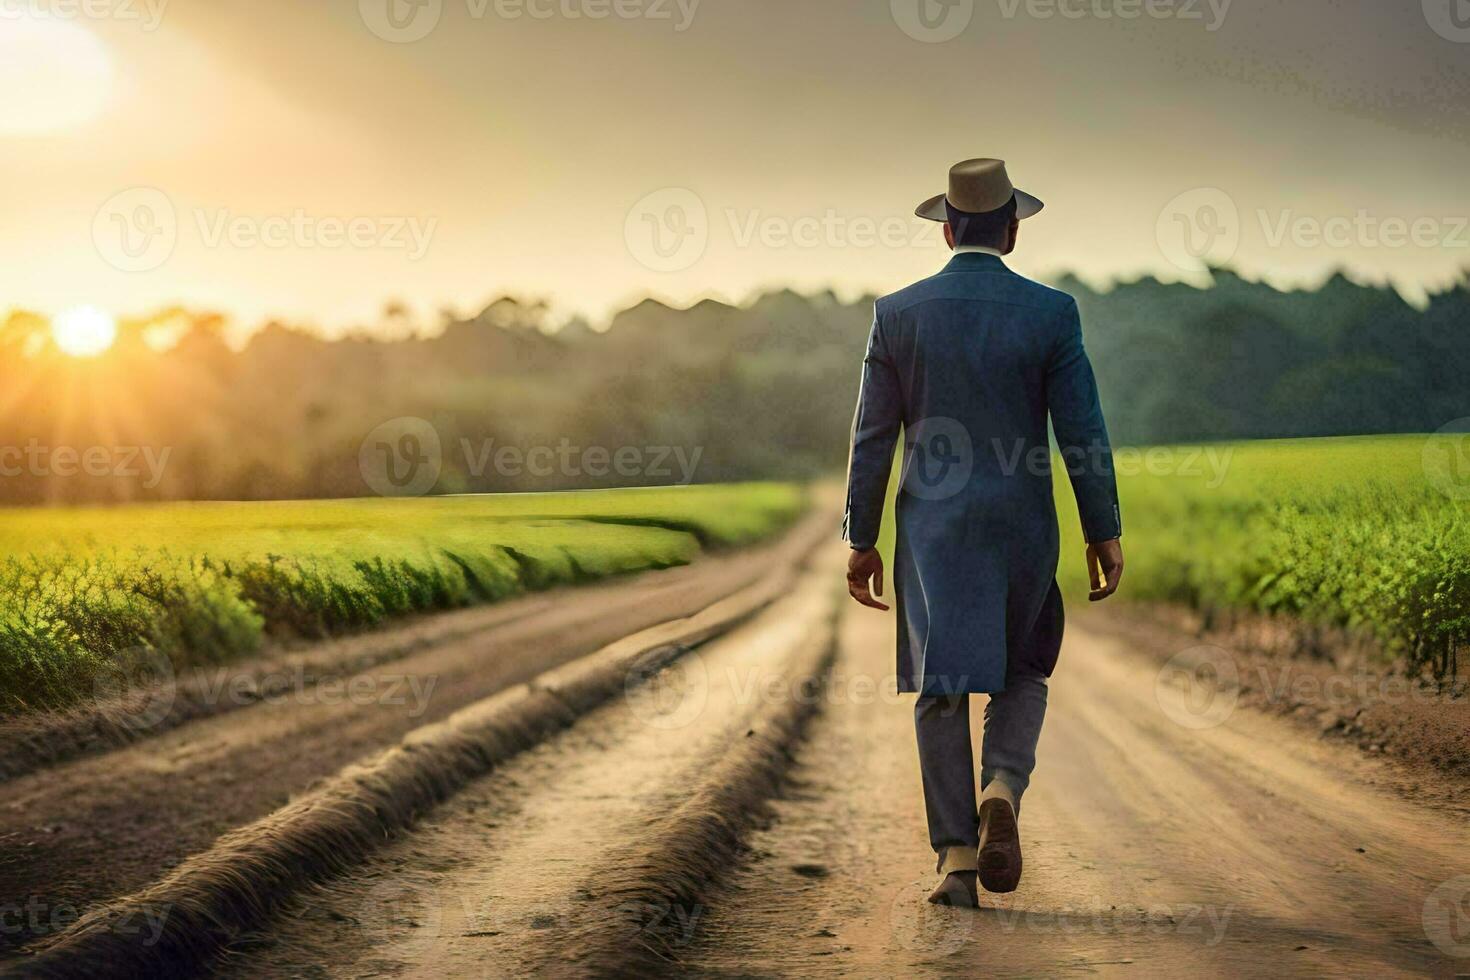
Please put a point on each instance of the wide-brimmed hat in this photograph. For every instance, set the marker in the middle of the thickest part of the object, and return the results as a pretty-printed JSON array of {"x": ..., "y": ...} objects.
[{"x": 976, "y": 187}]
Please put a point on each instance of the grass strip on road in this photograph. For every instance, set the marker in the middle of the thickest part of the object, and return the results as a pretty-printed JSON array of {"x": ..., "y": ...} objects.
[{"x": 179, "y": 924}]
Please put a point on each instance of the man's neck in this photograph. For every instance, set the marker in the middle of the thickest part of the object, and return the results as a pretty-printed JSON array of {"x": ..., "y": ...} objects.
[{"x": 982, "y": 249}]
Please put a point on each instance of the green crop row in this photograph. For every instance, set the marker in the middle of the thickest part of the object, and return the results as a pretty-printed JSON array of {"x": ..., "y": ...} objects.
[
  {"x": 84, "y": 591},
  {"x": 1371, "y": 534}
]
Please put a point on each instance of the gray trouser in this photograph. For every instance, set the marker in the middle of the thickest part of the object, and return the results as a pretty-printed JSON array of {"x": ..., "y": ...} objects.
[{"x": 1012, "y": 726}]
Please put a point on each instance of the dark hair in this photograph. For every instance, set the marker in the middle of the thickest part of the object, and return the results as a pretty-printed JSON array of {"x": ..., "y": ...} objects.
[{"x": 981, "y": 227}]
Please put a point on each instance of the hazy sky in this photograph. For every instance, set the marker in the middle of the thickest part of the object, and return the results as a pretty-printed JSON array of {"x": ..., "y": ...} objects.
[{"x": 307, "y": 159}]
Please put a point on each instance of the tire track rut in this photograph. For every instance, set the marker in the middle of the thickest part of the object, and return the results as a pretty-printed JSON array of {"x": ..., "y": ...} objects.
[{"x": 82, "y": 832}]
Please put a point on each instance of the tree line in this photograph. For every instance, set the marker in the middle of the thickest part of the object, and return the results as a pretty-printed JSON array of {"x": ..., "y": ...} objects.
[{"x": 764, "y": 390}]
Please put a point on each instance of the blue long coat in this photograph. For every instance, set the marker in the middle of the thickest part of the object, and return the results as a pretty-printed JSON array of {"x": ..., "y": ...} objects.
[{"x": 970, "y": 363}]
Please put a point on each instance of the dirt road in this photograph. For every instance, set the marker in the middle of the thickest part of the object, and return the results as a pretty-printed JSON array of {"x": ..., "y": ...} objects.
[
  {"x": 1164, "y": 837},
  {"x": 75, "y": 834}
]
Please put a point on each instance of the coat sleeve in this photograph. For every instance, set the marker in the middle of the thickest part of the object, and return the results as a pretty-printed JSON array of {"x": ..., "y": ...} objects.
[
  {"x": 1082, "y": 436},
  {"x": 874, "y": 433}
]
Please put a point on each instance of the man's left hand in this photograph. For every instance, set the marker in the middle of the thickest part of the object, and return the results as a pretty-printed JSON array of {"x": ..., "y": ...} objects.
[{"x": 862, "y": 566}]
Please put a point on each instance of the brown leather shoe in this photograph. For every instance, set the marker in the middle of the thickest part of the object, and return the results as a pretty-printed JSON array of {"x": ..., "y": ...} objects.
[
  {"x": 1000, "y": 846},
  {"x": 958, "y": 890}
]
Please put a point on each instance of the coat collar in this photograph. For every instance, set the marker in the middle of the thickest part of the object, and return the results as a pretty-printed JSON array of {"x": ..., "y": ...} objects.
[{"x": 975, "y": 262}]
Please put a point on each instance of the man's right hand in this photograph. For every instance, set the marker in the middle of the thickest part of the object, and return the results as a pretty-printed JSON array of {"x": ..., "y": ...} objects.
[{"x": 1108, "y": 555}]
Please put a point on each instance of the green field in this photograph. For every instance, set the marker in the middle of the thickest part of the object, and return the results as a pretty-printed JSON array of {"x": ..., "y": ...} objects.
[
  {"x": 1370, "y": 533},
  {"x": 84, "y": 589}
]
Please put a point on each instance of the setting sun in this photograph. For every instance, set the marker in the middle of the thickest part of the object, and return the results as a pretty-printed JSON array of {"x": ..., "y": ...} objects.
[
  {"x": 57, "y": 75},
  {"x": 84, "y": 331}
]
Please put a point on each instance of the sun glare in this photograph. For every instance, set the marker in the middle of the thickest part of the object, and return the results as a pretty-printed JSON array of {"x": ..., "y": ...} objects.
[
  {"x": 84, "y": 331},
  {"x": 55, "y": 75}
]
